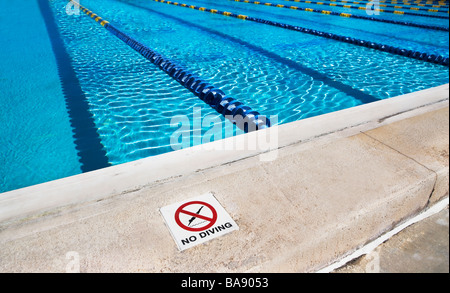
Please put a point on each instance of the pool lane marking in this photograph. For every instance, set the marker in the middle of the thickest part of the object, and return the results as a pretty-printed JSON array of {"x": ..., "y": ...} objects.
[
  {"x": 364, "y": 97},
  {"x": 378, "y": 10},
  {"x": 431, "y": 58},
  {"x": 239, "y": 114},
  {"x": 86, "y": 138},
  {"x": 411, "y": 24}
]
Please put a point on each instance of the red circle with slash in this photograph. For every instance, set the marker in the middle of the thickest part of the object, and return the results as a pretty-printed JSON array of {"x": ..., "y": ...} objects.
[{"x": 181, "y": 210}]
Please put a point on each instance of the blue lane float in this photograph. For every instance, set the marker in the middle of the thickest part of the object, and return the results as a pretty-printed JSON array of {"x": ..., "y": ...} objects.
[{"x": 239, "y": 114}]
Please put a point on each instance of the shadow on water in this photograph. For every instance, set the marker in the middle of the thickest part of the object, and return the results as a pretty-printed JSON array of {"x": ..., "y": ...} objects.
[{"x": 87, "y": 140}]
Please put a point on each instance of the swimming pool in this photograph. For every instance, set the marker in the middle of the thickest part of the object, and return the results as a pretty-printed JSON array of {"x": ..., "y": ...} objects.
[{"x": 75, "y": 98}]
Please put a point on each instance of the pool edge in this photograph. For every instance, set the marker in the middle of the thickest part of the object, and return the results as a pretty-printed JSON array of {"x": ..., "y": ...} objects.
[{"x": 110, "y": 181}]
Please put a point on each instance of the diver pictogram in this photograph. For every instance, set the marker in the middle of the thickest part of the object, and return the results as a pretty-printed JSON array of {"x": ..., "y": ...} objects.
[{"x": 204, "y": 217}]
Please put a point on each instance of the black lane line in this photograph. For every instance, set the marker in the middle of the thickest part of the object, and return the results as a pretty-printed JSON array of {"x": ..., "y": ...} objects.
[
  {"x": 296, "y": 18},
  {"x": 85, "y": 133},
  {"x": 350, "y": 15},
  {"x": 431, "y": 58},
  {"x": 355, "y": 93}
]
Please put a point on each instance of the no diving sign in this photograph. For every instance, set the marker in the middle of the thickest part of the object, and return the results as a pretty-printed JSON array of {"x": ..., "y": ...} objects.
[{"x": 197, "y": 220}]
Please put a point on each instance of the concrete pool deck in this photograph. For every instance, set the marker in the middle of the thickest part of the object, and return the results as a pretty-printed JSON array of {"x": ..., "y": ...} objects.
[{"x": 333, "y": 184}]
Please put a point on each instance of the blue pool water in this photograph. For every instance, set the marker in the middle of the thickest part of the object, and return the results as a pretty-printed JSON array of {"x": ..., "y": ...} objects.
[{"x": 58, "y": 68}]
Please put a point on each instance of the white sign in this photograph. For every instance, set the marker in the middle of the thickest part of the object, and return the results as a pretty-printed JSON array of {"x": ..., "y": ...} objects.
[{"x": 197, "y": 220}]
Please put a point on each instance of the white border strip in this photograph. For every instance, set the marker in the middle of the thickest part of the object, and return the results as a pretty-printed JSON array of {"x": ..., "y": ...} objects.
[{"x": 366, "y": 249}]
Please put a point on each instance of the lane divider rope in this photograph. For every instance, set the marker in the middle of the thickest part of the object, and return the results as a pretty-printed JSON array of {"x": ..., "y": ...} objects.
[
  {"x": 348, "y": 15},
  {"x": 396, "y": 6},
  {"x": 431, "y": 58},
  {"x": 405, "y": 2},
  {"x": 239, "y": 114},
  {"x": 397, "y": 12}
]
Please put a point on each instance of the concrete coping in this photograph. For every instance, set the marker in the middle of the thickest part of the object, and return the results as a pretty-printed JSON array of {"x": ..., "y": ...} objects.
[{"x": 130, "y": 176}]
